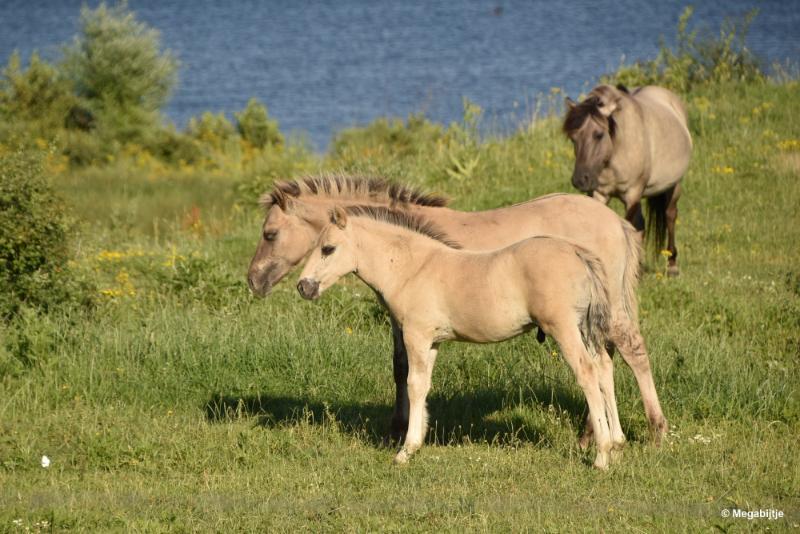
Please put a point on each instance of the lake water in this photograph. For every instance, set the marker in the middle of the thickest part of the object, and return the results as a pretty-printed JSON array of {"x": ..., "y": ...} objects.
[{"x": 324, "y": 65}]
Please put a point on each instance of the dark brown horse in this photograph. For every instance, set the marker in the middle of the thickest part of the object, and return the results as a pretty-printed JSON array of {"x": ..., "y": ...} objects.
[{"x": 631, "y": 145}]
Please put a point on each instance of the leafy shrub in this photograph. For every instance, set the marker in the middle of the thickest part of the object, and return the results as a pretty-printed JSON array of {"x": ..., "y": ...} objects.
[
  {"x": 255, "y": 126},
  {"x": 38, "y": 95},
  {"x": 33, "y": 239},
  {"x": 697, "y": 61},
  {"x": 386, "y": 139}
]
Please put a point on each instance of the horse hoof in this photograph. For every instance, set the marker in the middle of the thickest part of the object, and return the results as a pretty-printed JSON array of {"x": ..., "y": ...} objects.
[
  {"x": 658, "y": 431},
  {"x": 673, "y": 271},
  {"x": 616, "y": 454},
  {"x": 585, "y": 440},
  {"x": 402, "y": 457}
]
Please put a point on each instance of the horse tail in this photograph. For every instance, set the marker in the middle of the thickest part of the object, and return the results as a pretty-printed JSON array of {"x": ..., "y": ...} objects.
[
  {"x": 630, "y": 275},
  {"x": 594, "y": 325},
  {"x": 657, "y": 218}
]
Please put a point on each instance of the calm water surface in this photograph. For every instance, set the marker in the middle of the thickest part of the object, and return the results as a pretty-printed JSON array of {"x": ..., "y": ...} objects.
[{"x": 325, "y": 65}]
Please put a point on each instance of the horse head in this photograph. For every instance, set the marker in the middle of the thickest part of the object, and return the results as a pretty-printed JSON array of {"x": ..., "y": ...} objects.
[{"x": 591, "y": 127}]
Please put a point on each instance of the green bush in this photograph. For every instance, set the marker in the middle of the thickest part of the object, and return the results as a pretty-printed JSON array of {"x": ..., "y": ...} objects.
[
  {"x": 697, "y": 60},
  {"x": 33, "y": 239},
  {"x": 386, "y": 139},
  {"x": 255, "y": 126},
  {"x": 39, "y": 95},
  {"x": 211, "y": 129}
]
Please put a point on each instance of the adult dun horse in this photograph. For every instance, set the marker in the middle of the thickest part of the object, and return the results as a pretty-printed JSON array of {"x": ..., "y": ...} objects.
[
  {"x": 296, "y": 212},
  {"x": 631, "y": 145},
  {"x": 437, "y": 292}
]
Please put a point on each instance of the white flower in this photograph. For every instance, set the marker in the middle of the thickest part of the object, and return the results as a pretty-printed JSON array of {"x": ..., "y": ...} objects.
[{"x": 45, "y": 461}]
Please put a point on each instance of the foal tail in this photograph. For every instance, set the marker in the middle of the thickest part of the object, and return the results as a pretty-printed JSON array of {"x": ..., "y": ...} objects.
[{"x": 594, "y": 324}]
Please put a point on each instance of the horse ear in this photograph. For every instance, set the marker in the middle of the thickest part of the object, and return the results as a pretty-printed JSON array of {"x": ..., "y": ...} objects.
[
  {"x": 339, "y": 217},
  {"x": 570, "y": 103},
  {"x": 609, "y": 102}
]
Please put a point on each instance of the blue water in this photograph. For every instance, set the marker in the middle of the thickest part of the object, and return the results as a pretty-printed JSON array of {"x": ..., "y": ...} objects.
[{"x": 325, "y": 65}]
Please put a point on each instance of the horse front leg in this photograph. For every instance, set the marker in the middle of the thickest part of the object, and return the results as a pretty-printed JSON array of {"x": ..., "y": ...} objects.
[
  {"x": 421, "y": 357},
  {"x": 400, "y": 364},
  {"x": 672, "y": 215}
]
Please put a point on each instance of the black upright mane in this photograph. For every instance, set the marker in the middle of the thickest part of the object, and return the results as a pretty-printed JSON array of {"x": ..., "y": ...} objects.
[
  {"x": 403, "y": 219},
  {"x": 359, "y": 188}
]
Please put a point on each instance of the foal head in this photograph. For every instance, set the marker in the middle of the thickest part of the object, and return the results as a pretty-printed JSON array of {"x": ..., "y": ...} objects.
[
  {"x": 591, "y": 127},
  {"x": 332, "y": 257}
]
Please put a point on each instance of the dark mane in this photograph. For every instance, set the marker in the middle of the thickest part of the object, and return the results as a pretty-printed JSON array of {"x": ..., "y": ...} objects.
[
  {"x": 578, "y": 114},
  {"x": 590, "y": 107},
  {"x": 403, "y": 219},
  {"x": 357, "y": 188}
]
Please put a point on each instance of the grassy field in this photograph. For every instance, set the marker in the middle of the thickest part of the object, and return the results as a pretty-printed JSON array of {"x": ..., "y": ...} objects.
[{"x": 181, "y": 403}]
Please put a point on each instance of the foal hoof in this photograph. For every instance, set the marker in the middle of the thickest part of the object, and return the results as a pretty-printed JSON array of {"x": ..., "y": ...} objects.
[
  {"x": 672, "y": 271},
  {"x": 601, "y": 461}
]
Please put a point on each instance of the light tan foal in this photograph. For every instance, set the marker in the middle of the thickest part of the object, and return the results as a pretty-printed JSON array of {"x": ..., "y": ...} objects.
[{"x": 439, "y": 293}]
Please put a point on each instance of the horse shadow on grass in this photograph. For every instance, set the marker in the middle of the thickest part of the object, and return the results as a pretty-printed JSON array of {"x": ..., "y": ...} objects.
[{"x": 492, "y": 415}]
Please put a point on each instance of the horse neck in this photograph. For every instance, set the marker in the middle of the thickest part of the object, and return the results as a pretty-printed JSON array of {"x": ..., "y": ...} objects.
[{"x": 388, "y": 256}]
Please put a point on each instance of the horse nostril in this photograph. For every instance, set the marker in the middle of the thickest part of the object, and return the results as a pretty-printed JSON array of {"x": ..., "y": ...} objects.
[
  {"x": 307, "y": 288},
  {"x": 251, "y": 284}
]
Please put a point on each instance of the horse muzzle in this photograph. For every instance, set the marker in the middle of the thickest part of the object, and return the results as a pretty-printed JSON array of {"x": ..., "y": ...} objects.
[
  {"x": 259, "y": 286},
  {"x": 582, "y": 182},
  {"x": 308, "y": 289}
]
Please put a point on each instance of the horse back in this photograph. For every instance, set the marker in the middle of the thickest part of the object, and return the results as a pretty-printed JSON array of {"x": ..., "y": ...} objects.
[{"x": 665, "y": 122}]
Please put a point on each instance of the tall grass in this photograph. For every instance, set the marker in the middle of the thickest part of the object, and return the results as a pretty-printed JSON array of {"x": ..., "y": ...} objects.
[{"x": 182, "y": 403}]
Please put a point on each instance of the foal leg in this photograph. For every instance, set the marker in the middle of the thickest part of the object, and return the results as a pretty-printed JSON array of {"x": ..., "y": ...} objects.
[
  {"x": 606, "y": 368},
  {"x": 587, "y": 375},
  {"x": 672, "y": 215},
  {"x": 400, "y": 363},
  {"x": 630, "y": 344},
  {"x": 586, "y": 437},
  {"x": 421, "y": 356}
]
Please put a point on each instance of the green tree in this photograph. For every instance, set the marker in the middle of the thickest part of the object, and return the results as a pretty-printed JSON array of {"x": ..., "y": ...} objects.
[{"x": 118, "y": 67}]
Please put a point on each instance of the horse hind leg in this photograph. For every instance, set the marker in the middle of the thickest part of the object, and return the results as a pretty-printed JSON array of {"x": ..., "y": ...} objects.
[
  {"x": 629, "y": 341},
  {"x": 672, "y": 216},
  {"x": 399, "y": 424}
]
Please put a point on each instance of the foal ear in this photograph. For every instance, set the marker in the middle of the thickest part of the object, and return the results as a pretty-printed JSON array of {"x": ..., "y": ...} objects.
[
  {"x": 570, "y": 103},
  {"x": 339, "y": 217}
]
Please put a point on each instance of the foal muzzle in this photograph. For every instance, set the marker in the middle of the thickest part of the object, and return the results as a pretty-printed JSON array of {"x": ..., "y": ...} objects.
[{"x": 308, "y": 289}]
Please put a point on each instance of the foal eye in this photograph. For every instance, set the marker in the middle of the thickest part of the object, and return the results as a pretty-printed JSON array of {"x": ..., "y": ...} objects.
[
  {"x": 327, "y": 250},
  {"x": 599, "y": 135},
  {"x": 270, "y": 235}
]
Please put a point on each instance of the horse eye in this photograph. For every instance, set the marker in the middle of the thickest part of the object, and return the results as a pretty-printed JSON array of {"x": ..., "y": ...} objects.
[
  {"x": 599, "y": 135},
  {"x": 270, "y": 235},
  {"x": 327, "y": 250}
]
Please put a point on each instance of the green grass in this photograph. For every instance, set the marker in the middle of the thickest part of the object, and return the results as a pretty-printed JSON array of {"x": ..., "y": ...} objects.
[{"x": 181, "y": 403}]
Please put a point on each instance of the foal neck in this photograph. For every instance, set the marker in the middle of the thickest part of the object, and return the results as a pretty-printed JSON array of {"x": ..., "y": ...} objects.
[{"x": 389, "y": 256}]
